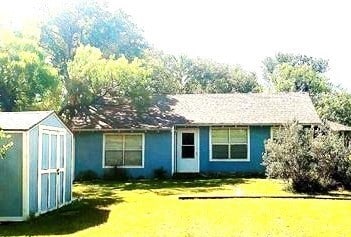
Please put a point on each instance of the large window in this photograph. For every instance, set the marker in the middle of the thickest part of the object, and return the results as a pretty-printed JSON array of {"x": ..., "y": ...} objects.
[
  {"x": 123, "y": 150},
  {"x": 229, "y": 144}
]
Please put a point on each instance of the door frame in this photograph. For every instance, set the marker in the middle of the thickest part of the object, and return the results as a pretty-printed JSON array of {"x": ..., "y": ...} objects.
[
  {"x": 179, "y": 131},
  {"x": 43, "y": 129}
]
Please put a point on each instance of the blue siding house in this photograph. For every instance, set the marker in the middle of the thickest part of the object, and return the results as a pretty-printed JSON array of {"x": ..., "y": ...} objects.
[
  {"x": 190, "y": 133},
  {"x": 36, "y": 173}
]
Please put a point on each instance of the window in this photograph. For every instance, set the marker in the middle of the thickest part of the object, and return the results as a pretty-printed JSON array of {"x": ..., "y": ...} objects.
[
  {"x": 274, "y": 132},
  {"x": 229, "y": 144},
  {"x": 123, "y": 150}
]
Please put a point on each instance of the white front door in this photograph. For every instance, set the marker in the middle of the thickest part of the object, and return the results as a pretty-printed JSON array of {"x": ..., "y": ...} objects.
[
  {"x": 51, "y": 165},
  {"x": 187, "y": 150}
]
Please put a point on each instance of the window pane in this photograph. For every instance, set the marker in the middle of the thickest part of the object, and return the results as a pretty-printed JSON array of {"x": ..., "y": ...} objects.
[
  {"x": 45, "y": 152},
  {"x": 133, "y": 142},
  {"x": 53, "y": 157},
  {"x": 220, "y": 135},
  {"x": 113, "y": 158},
  {"x": 132, "y": 158},
  {"x": 188, "y": 152},
  {"x": 220, "y": 151},
  {"x": 238, "y": 151},
  {"x": 114, "y": 142},
  {"x": 275, "y": 131},
  {"x": 188, "y": 138},
  {"x": 238, "y": 136}
]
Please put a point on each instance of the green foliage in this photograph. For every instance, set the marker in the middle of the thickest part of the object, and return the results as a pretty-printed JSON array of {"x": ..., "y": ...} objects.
[
  {"x": 335, "y": 106},
  {"x": 318, "y": 65},
  {"x": 299, "y": 78},
  {"x": 88, "y": 175},
  {"x": 171, "y": 74},
  {"x": 90, "y": 23},
  {"x": 93, "y": 77},
  {"x": 160, "y": 173},
  {"x": 27, "y": 80},
  {"x": 313, "y": 160},
  {"x": 5, "y": 143}
]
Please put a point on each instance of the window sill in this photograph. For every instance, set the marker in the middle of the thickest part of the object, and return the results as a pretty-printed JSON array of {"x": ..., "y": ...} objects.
[
  {"x": 229, "y": 160},
  {"x": 123, "y": 167}
]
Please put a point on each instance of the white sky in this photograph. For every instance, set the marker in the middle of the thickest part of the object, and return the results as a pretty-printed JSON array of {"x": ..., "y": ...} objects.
[{"x": 240, "y": 32}]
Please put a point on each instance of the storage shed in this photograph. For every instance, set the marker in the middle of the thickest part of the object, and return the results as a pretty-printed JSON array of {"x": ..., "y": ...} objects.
[{"x": 36, "y": 174}]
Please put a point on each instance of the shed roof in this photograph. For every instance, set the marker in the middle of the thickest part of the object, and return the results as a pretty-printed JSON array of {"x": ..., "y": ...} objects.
[
  {"x": 203, "y": 109},
  {"x": 338, "y": 127},
  {"x": 22, "y": 120}
]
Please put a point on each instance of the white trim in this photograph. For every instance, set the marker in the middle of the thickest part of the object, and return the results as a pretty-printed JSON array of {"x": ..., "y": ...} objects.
[
  {"x": 25, "y": 174},
  {"x": 73, "y": 164},
  {"x": 124, "y": 167},
  {"x": 172, "y": 150},
  {"x": 230, "y": 160},
  {"x": 12, "y": 218}
]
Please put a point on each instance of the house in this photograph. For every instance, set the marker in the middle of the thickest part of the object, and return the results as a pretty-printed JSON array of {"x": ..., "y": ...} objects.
[
  {"x": 36, "y": 172},
  {"x": 188, "y": 133}
]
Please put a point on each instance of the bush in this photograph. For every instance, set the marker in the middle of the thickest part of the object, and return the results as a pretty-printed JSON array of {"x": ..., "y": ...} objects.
[
  {"x": 116, "y": 173},
  {"x": 160, "y": 173},
  {"x": 314, "y": 160},
  {"x": 87, "y": 175}
]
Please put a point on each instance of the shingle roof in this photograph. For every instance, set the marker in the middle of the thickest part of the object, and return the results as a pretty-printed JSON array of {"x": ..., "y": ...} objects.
[
  {"x": 203, "y": 109},
  {"x": 21, "y": 120},
  {"x": 338, "y": 127}
]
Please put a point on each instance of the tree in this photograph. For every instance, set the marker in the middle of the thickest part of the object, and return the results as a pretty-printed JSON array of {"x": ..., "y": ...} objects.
[
  {"x": 172, "y": 74},
  {"x": 89, "y": 22},
  {"x": 335, "y": 106},
  {"x": 27, "y": 81},
  {"x": 5, "y": 144},
  {"x": 93, "y": 78},
  {"x": 317, "y": 64},
  {"x": 303, "y": 78}
]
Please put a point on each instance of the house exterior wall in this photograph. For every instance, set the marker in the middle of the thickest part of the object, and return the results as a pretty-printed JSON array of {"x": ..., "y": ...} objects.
[
  {"x": 11, "y": 180},
  {"x": 157, "y": 153},
  {"x": 258, "y": 135}
]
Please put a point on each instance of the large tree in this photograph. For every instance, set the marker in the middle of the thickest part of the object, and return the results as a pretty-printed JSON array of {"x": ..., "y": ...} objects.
[
  {"x": 94, "y": 78},
  {"x": 90, "y": 22},
  {"x": 335, "y": 106},
  {"x": 182, "y": 74},
  {"x": 27, "y": 81},
  {"x": 296, "y": 72}
]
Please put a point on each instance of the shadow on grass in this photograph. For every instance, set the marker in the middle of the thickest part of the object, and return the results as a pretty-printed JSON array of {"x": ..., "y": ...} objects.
[
  {"x": 171, "y": 186},
  {"x": 83, "y": 213}
]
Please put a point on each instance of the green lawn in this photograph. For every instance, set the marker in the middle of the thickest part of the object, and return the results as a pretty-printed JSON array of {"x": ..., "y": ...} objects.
[{"x": 152, "y": 208}]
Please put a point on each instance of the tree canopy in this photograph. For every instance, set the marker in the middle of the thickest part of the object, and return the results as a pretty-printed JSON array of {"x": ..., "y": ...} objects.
[{"x": 27, "y": 81}]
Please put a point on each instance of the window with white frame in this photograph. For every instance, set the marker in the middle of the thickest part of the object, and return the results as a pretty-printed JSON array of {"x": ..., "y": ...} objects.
[
  {"x": 123, "y": 150},
  {"x": 274, "y": 131},
  {"x": 229, "y": 143}
]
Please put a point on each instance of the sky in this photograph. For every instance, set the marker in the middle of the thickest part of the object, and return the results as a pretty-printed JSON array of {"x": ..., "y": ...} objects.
[{"x": 241, "y": 32}]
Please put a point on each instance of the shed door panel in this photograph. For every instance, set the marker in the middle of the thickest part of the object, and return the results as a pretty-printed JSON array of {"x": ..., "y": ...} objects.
[{"x": 52, "y": 169}]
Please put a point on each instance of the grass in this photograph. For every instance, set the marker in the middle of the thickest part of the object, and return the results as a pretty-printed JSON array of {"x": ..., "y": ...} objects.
[{"x": 152, "y": 208}]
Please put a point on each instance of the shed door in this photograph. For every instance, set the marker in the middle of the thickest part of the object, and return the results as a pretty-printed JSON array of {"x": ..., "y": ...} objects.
[{"x": 51, "y": 167}]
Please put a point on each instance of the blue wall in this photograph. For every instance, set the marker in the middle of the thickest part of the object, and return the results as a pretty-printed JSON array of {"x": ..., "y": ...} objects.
[
  {"x": 158, "y": 146},
  {"x": 11, "y": 179},
  {"x": 258, "y": 135}
]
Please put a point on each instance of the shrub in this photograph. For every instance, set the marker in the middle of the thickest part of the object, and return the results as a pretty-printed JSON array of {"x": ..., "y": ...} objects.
[
  {"x": 87, "y": 175},
  {"x": 160, "y": 173},
  {"x": 116, "y": 173},
  {"x": 314, "y": 160}
]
